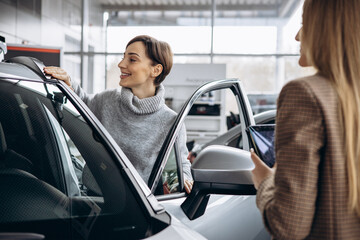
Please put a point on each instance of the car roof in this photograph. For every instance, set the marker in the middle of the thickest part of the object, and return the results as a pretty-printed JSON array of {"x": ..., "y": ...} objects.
[{"x": 23, "y": 68}]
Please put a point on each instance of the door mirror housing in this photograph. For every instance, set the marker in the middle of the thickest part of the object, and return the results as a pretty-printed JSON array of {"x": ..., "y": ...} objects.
[{"x": 218, "y": 170}]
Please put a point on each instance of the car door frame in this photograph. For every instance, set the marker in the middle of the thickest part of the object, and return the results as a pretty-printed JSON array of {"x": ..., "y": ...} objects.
[{"x": 246, "y": 119}]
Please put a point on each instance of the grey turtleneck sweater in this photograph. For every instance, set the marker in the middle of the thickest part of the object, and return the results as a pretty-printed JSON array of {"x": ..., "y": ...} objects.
[{"x": 139, "y": 126}]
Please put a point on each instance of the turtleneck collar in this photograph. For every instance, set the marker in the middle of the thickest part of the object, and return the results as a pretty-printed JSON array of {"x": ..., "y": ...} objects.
[{"x": 143, "y": 106}]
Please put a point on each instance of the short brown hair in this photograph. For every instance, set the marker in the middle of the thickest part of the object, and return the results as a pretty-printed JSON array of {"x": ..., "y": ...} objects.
[{"x": 159, "y": 52}]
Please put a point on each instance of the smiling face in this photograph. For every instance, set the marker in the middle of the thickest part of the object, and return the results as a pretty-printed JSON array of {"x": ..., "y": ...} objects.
[
  {"x": 303, "y": 62},
  {"x": 137, "y": 70}
]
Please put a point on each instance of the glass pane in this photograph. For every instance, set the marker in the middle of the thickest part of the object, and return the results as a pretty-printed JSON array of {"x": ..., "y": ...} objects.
[
  {"x": 170, "y": 177},
  {"x": 209, "y": 121},
  {"x": 57, "y": 178},
  {"x": 245, "y": 39},
  {"x": 292, "y": 70},
  {"x": 72, "y": 44},
  {"x": 263, "y": 77},
  {"x": 262, "y": 102},
  {"x": 194, "y": 39},
  {"x": 96, "y": 27},
  {"x": 179, "y": 59},
  {"x": 72, "y": 65},
  {"x": 258, "y": 74},
  {"x": 112, "y": 71},
  {"x": 95, "y": 73},
  {"x": 207, "y": 118},
  {"x": 71, "y": 11}
]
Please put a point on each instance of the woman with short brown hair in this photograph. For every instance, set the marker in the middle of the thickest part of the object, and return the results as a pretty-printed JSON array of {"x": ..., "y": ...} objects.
[{"x": 136, "y": 115}]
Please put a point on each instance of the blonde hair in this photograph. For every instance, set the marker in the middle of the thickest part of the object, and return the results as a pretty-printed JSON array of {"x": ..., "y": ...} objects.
[{"x": 331, "y": 36}]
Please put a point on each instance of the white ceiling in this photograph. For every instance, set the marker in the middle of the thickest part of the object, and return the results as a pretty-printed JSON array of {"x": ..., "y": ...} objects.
[
  {"x": 125, "y": 11},
  {"x": 282, "y": 7}
]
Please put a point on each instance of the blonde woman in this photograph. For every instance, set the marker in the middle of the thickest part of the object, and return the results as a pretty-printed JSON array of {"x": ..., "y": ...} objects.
[{"x": 314, "y": 193}]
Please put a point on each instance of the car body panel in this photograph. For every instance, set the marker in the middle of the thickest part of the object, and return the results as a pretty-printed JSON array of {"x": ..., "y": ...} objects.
[
  {"x": 177, "y": 231},
  {"x": 231, "y": 214},
  {"x": 226, "y": 216},
  {"x": 245, "y": 113},
  {"x": 37, "y": 106},
  {"x": 219, "y": 220}
]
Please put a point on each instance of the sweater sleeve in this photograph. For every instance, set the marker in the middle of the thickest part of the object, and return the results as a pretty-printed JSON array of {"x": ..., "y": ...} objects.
[
  {"x": 81, "y": 93},
  {"x": 94, "y": 101},
  {"x": 287, "y": 200},
  {"x": 183, "y": 152}
]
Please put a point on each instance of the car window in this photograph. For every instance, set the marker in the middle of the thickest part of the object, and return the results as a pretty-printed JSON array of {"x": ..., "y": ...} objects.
[
  {"x": 170, "y": 177},
  {"x": 209, "y": 118},
  {"x": 57, "y": 177},
  {"x": 72, "y": 180}
]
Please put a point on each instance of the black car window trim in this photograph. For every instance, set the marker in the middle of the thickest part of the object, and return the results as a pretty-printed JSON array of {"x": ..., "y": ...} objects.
[
  {"x": 55, "y": 161},
  {"x": 104, "y": 137},
  {"x": 57, "y": 100},
  {"x": 72, "y": 184},
  {"x": 135, "y": 183},
  {"x": 133, "y": 188},
  {"x": 179, "y": 167},
  {"x": 15, "y": 79},
  {"x": 21, "y": 103},
  {"x": 99, "y": 132},
  {"x": 129, "y": 177},
  {"x": 234, "y": 85},
  {"x": 22, "y": 98},
  {"x": 181, "y": 192},
  {"x": 179, "y": 174}
]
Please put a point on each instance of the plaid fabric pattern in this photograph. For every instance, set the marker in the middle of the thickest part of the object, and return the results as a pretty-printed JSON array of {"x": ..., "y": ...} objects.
[{"x": 307, "y": 198}]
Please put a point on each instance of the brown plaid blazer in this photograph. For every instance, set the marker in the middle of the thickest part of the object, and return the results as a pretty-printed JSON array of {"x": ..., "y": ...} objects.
[{"x": 307, "y": 197}]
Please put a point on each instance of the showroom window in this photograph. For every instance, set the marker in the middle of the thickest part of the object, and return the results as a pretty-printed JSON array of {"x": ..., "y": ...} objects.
[{"x": 258, "y": 47}]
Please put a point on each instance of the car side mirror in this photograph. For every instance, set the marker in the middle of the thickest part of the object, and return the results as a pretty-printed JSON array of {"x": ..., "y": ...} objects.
[{"x": 218, "y": 170}]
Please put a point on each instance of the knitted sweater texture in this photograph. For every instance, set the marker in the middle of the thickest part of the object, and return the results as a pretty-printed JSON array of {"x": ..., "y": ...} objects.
[{"x": 139, "y": 126}]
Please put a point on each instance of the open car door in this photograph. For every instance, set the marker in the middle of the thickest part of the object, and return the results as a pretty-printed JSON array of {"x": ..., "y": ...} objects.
[{"x": 220, "y": 172}]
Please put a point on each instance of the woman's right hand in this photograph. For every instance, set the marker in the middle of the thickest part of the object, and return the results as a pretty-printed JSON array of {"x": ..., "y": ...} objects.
[
  {"x": 58, "y": 73},
  {"x": 261, "y": 170}
]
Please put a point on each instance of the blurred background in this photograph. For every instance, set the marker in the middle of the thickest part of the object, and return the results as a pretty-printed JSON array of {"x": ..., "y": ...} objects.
[{"x": 252, "y": 40}]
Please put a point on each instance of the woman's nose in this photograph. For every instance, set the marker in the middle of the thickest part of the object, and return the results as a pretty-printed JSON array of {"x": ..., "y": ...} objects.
[
  {"x": 121, "y": 64},
  {"x": 297, "y": 37}
]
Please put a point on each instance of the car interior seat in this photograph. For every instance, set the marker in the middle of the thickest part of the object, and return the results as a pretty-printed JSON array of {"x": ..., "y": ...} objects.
[
  {"x": 24, "y": 196},
  {"x": 27, "y": 198},
  {"x": 10, "y": 158}
]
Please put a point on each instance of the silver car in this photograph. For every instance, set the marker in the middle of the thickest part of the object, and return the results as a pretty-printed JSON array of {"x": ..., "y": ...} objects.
[{"x": 62, "y": 176}]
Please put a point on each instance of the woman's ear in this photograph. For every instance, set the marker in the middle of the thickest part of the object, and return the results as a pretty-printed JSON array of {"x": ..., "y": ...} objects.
[{"x": 157, "y": 70}]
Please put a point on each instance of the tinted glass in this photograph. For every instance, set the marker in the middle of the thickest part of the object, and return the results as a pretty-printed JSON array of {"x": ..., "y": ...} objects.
[
  {"x": 212, "y": 115},
  {"x": 170, "y": 178},
  {"x": 56, "y": 177}
]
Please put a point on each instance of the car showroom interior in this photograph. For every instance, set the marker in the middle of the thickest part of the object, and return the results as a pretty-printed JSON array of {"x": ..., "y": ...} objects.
[
  {"x": 177, "y": 119},
  {"x": 253, "y": 41}
]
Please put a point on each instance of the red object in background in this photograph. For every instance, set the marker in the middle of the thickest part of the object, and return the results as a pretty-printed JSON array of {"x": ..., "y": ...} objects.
[{"x": 49, "y": 56}]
